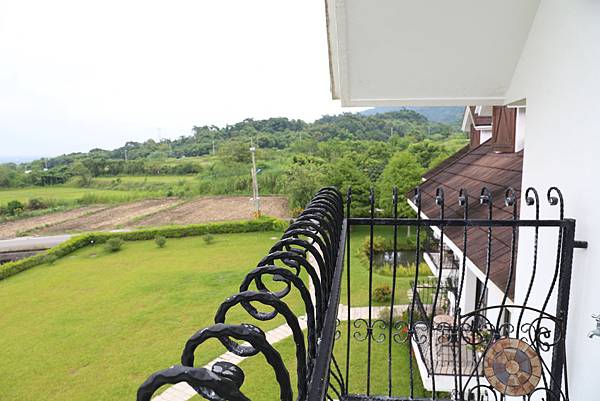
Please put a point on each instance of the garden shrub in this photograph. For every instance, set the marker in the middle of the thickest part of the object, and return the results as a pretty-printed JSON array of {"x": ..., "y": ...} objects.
[
  {"x": 14, "y": 207},
  {"x": 160, "y": 241},
  {"x": 50, "y": 259},
  {"x": 113, "y": 244},
  {"x": 75, "y": 243},
  {"x": 382, "y": 293},
  {"x": 208, "y": 239},
  {"x": 380, "y": 244},
  {"x": 36, "y": 204}
]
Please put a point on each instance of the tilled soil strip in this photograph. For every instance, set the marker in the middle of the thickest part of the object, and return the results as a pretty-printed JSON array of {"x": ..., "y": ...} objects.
[
  {"x": 215, "y": 208},
  {"x": 12, "y": 228},
  {"x": 111, "y": 218}
]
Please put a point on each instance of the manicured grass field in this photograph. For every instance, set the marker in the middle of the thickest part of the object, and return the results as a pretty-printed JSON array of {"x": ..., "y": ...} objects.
[
  {"x": 260, "y": 383},
  {"x": 359, "y": 278},
  {"x": 61, "y": 194},
  {"x": 94, "y": 325}
]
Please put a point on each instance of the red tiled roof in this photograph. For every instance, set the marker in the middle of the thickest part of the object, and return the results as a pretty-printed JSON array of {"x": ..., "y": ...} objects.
[{"x": 477, "y": 168}]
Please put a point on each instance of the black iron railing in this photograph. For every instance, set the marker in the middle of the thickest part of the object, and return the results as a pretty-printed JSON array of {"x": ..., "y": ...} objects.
[
  {"x": 313, "y": 243},
  {"x": 455, "y": 346}
]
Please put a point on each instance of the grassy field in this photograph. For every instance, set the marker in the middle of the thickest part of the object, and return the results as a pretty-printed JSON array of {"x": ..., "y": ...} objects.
[
  {"x": 151, "y": 179},
  {"x": 260, "y": 383},
  {"x": 63, "y": 195},
  {"x": 94, "y": 325},
  {"x": 359, "y": 269}
]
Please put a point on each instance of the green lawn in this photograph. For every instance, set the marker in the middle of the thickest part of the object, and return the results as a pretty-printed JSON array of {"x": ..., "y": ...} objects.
[
  {"x": 359, "y": 270},
  {"x": 94, "y": 325},
  {"x": 63, "y": 194},
  {"x": 260, "y": 383}
]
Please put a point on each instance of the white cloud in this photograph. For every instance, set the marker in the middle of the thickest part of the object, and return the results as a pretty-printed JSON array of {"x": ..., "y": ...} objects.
[{"x": 82, "y": 74}]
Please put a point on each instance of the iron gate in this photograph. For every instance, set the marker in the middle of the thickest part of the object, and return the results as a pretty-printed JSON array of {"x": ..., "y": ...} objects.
[{"x": 366, "y": 341}]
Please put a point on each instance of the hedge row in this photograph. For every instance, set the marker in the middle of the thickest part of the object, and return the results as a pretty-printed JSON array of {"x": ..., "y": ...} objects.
[{"x": 75, "y": 243}]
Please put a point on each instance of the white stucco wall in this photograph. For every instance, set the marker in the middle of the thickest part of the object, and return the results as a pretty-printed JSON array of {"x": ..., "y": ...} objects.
[
  {"x": 520, "y": 128},
  {"x": 559, "y": 75},
  {"x": 485, "y": 135}
]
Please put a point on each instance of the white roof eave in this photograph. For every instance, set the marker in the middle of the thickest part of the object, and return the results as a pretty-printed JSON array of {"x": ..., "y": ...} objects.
[{"x": 373, "y": 64}]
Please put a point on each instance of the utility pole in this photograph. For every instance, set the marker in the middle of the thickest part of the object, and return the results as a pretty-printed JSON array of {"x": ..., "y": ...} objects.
[
  {"x": 213, "y": 141},
  {"x": 255, "y": 197}
]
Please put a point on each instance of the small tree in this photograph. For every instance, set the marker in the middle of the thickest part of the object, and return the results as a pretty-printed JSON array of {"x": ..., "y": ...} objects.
[
  {"x": 404, "y": 172},
  {"x": 160, "y": 241},
  {"x": 81, "y": 173},
  {"x": 113, "y": 244}
]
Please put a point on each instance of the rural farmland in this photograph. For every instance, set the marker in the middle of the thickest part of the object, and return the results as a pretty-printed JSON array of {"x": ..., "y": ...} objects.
[{"x": 143, "y": 213}]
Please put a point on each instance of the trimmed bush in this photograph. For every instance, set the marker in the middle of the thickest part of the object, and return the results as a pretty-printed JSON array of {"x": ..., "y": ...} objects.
[
  {"x": 113, "y": 244},
  {"x": 382, "y": 293},
  {"x": 75, "y": 243},
  {"x": 50, "y": 259},
  {"x": 208, "y": 239},
  {"x": 160, "y": 241}
]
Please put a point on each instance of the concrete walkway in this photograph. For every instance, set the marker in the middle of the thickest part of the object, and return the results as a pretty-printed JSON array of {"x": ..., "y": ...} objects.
[
  {"x": 183, "y": 391},
  {"x": 32, "y": 243}
]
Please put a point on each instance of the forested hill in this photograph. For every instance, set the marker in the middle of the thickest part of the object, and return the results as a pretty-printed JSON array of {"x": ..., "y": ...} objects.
[
  {"x": 441, "y": 114},
  {"x": 294, "y": 158},
  {"x": 277, "y": 133}
]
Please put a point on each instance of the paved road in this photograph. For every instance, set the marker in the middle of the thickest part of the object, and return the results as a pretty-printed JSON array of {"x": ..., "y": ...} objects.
[{"x": 32, "y": 243}]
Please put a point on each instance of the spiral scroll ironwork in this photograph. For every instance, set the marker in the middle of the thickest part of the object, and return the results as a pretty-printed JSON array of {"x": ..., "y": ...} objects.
[{"x": 310, "y": 244}]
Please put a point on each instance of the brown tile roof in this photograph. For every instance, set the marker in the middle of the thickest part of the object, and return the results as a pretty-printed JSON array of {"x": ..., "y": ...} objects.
[
  {"x": 477, "y": 168},
  {"x": 461, "y": 152}
]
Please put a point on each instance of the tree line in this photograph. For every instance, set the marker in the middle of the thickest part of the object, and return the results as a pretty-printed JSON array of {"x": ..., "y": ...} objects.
[{"x": 295, "y": 158}]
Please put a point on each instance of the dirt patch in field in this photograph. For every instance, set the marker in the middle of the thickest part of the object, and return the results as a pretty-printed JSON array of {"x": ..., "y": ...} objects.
[
  {"x": 146, "y": 213},
  {"x": 216, "y": 208},
  {"x": 10, "y": 229},
  {"x": 110, "y": 218}
]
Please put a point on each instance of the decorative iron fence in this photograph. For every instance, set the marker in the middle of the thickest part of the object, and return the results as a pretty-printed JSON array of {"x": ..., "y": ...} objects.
[
  {"x": 314, "y": 244},
  {"x": 494, "y": 349}
]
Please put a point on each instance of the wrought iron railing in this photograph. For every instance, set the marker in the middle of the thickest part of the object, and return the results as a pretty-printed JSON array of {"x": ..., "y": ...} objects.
[
  {"x": 314, "y": 244},
  {"x": 319, "y": 244},
  {"x": 449, "y": 261}
]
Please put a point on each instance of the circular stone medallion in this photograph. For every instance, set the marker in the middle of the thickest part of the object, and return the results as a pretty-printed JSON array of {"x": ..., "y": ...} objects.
[{"x": 512, "y": 367}]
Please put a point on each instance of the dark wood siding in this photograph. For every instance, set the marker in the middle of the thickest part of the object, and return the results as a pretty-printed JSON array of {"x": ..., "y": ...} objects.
[{"x": 503, "y": 129}]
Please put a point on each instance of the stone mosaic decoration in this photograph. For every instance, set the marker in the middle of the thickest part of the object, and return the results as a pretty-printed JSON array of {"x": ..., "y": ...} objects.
[{"x": 512, "y": 367}]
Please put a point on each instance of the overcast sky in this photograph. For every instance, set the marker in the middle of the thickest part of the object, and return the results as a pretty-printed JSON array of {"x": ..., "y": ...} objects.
[{"x": 76, "y": 75}]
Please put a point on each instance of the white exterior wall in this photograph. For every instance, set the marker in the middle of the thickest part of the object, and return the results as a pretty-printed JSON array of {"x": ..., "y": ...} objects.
[
  {"x": 520, "y": 125},
  {"x": 485, "y": 135},
  {"x": 559, "y": 76}
]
